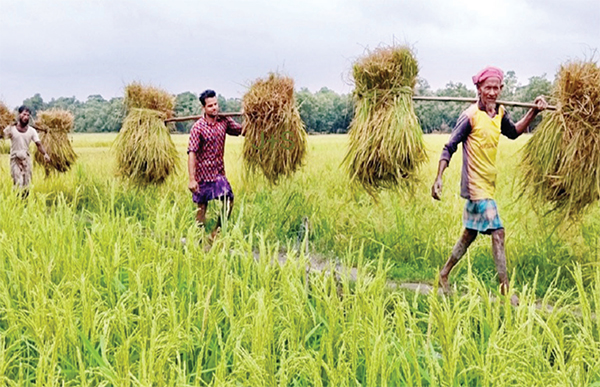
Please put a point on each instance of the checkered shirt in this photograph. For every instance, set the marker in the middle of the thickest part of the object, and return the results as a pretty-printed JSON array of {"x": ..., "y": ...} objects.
[{"x": 207, "y": 140}]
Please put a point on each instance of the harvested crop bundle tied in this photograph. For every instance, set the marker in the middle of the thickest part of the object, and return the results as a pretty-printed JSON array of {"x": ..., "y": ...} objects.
[
  {"x": 54, "y": 126},
  {"x": 6, "y": 118},
  {"x": 275, "y": 138},
  {"x": 385, "y": 139},
  {"x": 149, "y": 97},
  {"x": 145, "y": 151},
  {"x": 561, "y": 162}
]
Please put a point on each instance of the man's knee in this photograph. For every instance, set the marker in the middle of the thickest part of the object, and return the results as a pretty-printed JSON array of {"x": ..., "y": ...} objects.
[
  {"x": 470, "y": 234},
  {"x": 498, "y": 236}
]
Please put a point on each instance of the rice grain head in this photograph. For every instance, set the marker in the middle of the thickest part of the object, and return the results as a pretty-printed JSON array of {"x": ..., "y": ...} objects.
[
  {"x": 275, "y": 138},
  {"x": 386, "y": 147},
  {"x": 7, "y": 117},
  {"x": 561, "y": 162},
  {"x": 145, "y": 150},
  {"x": 139, "y": 96},
  {"x": 55, "y": 124}
]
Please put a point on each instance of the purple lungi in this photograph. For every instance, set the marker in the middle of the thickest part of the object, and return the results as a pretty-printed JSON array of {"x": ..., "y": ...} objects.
[{"x": 211, "y": 190}]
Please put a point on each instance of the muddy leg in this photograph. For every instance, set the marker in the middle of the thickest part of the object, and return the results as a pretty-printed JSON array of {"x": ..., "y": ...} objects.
[
  {"x": 458, "y": 251},
  {"x": 201, "y": 214},
  {"x": 500, "y": 261}
]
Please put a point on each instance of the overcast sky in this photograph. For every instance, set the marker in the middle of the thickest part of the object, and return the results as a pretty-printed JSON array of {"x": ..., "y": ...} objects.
[{"x": 63, "y": 48}]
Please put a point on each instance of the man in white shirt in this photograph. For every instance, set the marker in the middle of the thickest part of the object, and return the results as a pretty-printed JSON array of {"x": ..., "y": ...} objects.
[{"x": 21, "y": 135}]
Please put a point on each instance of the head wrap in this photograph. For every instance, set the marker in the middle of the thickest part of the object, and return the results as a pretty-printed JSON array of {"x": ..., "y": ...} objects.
[{"x": 486, "y": 73}]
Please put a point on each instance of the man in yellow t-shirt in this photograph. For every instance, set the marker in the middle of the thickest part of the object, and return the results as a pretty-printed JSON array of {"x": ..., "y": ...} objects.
[{"x": 479, "y": 128}]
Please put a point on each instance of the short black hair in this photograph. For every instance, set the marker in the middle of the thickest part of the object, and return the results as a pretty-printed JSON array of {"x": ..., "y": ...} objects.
[
  {"x": 24, "y": 108},
  {"x": 207, "y": 94}
]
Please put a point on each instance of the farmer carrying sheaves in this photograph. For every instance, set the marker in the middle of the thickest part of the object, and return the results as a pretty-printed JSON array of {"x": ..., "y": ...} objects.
[
  {"x": 206, "y": 166},
  {"x": 478, "y": 129},
  {"x": 21, "y": 135}
]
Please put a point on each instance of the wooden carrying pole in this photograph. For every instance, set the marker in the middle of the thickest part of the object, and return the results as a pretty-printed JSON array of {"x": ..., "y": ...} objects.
[
  {"x": 189, "y": 118},
  {"x": 34, "y": 126},
  {"x": 473, "y": 100},
  {"x": 415, "y": 98}
]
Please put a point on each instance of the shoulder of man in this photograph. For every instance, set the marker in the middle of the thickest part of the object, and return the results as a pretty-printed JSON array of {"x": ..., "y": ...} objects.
[
  {"x": 471, "y": 110},
  {"x": 467, "y": 115},
  {"x": 199, "y": 122},
  {"x": 9, "y": 129},
  {"x": 31, "y": 131},
  {"x": 502, "y": 111}
]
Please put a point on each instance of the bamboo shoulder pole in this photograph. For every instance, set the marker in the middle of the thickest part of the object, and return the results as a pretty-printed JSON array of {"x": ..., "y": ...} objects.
[
  {"x": 473, "y": 100},
  {"x": 34, "y": 126},
  {"x": 37, "y": 128},
  {"x": 190, "y": 118},
  {"x": 415, "y": 98}
]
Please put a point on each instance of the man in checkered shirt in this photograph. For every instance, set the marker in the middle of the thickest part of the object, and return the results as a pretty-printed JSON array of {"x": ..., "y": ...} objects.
[{"x": 205, "y": 159}]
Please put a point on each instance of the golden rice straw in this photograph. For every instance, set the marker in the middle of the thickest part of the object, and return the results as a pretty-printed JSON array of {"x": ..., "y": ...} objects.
[
  {"x": 275, "y": 138},
  {"x": 55, "y": 124},
  {"x": 6, "y": 118},
  {"x": 145, "y": 151},
  {"x": 142, "y": 96},
  {"x": 386, "y": 145},
  {"x": 561, "y": 162}
]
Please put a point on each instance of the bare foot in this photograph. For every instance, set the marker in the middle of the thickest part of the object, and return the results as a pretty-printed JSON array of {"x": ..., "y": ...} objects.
[
  {"x": 207, "y": 247},
  {"x": 213, "y": 236},
  {"x": 444, "y": 284}
]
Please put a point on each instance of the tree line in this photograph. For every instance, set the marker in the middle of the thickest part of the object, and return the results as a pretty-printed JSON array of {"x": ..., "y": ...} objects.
[{"x": 323, "y": 111}]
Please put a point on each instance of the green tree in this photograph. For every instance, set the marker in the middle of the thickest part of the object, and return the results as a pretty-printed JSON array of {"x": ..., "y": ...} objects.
[
  {"x": 538, "y": 85},
  {"x": 511, "y": 85},
  {"x": 65, "y": 103},
  {"x": 35, "y": 103},
  {"x": 99, "y": 115},
  {"x": 441, "y": 116},
  {"x": 324, "y": 111},
  {"x": 229, "y": 104},
  {"x": 186, "y": 104}
]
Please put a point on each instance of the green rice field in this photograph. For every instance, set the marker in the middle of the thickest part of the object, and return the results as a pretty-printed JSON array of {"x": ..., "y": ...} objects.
[{"x": 97, "y": 287}]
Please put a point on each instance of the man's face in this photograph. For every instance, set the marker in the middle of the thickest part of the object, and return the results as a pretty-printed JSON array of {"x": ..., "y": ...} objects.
[
  {"x": 211, "y": 107},
  {"x": 24, "y": 117},
  {"x": 489, "y": 90}
]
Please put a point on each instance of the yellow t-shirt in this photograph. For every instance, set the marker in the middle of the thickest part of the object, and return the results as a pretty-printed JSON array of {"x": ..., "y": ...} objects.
[{"x": 480, "y": 135}]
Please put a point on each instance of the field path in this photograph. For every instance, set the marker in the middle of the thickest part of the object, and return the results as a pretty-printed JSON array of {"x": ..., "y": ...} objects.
[{"x": 318, "y": 264}]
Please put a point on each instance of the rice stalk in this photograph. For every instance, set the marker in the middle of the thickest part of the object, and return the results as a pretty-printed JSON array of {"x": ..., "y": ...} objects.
[
  {"x": 275, "y": 138},
  {"x": 139, "y": 96},
  {"x": 386, "y": 145},
  {"x": 145, "y": 151},
  {"x": 561, "y": 162},
  {"x": 55, "y": 125},
  {"x": 7, "y": 117}
]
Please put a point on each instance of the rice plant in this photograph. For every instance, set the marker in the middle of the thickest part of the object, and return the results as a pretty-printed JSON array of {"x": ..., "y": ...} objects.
[{"x": 97, "y": 289}]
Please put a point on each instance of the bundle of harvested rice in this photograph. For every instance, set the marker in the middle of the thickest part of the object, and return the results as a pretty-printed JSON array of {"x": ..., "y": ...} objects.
[
  {"x": 386, "y": 145},
  {"x": 561, "y": 162},
  {"x": 54, "y": 126},
  {"x": 145, "y": 151},
  {"x": 6, "y": 118},
  {"x": 149, "y": 97},
  {"x": 275, "y": 138}
]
